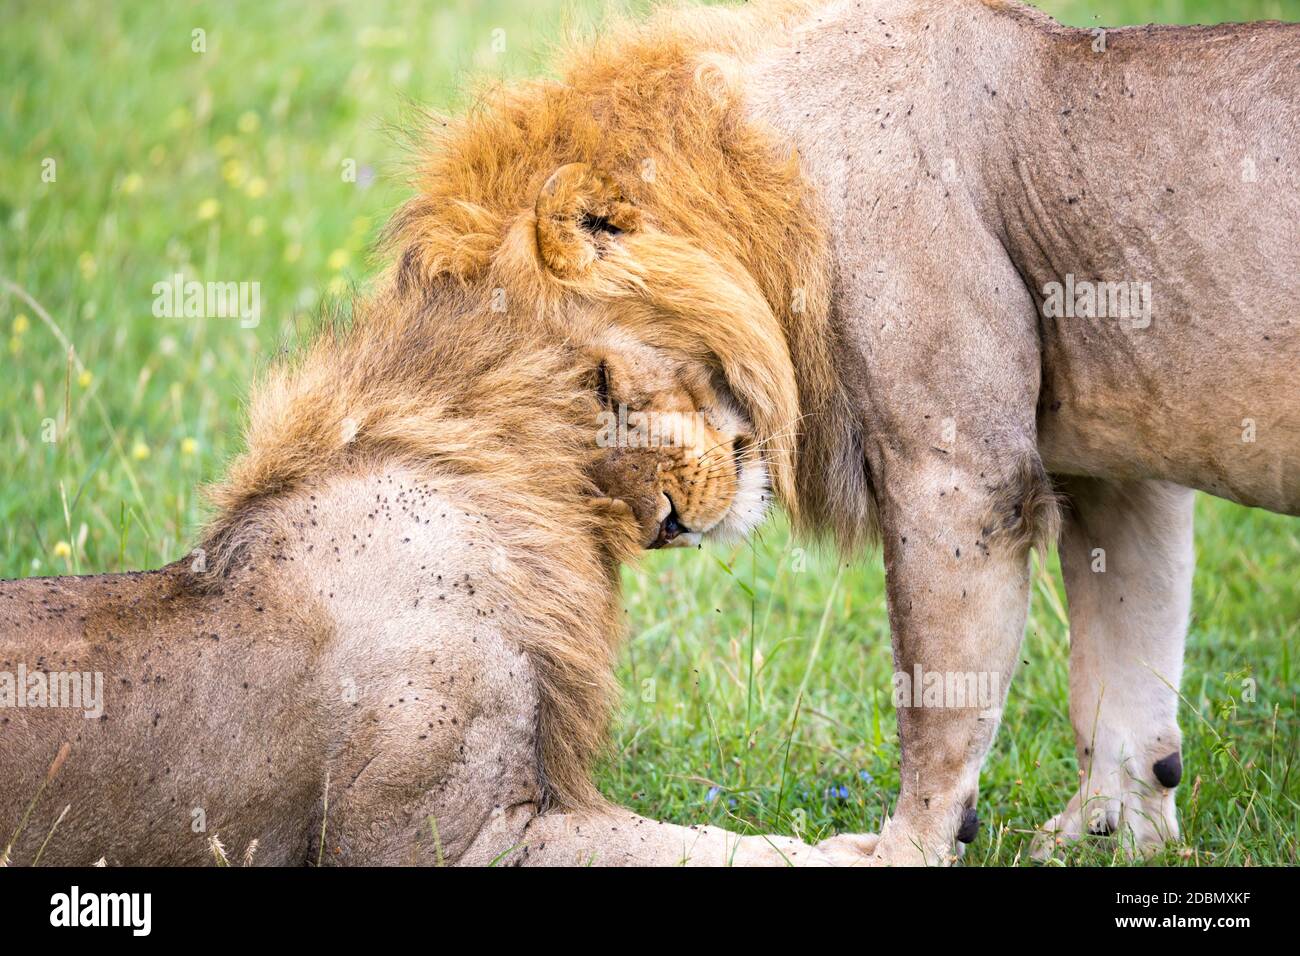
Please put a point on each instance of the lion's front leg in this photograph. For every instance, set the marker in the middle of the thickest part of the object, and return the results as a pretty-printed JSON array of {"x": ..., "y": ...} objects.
[
  {"x": 949, "y": 394},
  {"x": 613, "y": 836},
  {"x": 1126, "y": 556},
  {"x": 958, "y": 593}
]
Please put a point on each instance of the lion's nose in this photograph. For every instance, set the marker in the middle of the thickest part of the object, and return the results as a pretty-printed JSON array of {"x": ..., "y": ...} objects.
[{"x": 670, "y": 528}]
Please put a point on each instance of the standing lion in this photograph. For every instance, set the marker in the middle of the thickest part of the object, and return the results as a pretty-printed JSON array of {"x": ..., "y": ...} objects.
[{"x": 979, "y": 282}]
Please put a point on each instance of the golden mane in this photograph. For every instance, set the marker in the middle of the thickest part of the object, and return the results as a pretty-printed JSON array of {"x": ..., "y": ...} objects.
[{"x": 732, "y": 266}]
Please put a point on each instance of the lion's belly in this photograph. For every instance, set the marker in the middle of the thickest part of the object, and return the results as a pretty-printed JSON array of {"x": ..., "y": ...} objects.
[{"x": 1217, "y": 414}]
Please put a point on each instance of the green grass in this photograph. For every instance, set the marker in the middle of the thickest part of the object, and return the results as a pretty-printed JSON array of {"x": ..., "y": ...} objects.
[{"x": 758, "y": 680}]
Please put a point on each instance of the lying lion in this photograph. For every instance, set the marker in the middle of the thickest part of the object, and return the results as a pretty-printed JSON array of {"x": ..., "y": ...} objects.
[
  {"x": 395, "y": 643},
  {"x": 959, "y": 265}
]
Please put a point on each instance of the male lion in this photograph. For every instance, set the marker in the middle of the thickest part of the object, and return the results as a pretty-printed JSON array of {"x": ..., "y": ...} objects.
[
  {"x": 397, "y": 634},
  {"x": 957, "y": 264}
]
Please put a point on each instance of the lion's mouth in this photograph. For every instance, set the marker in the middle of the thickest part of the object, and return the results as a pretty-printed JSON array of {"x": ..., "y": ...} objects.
[
  {"x": 750, "y": 499},
  {"x": 746, "y": 512},
  {"x": 671, "y": 529}
]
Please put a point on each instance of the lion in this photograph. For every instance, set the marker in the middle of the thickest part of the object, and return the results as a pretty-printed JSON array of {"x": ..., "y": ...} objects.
[
  {"x": 394, "y": 644},
  {"x": 980, "y": 282}
]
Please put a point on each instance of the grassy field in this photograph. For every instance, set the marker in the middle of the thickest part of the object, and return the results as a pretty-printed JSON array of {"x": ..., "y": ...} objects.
[{"x": 757, "y": 680}]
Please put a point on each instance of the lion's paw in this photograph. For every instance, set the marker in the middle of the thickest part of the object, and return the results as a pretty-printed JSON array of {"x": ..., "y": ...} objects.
[{"x": 1139, "y": 813}]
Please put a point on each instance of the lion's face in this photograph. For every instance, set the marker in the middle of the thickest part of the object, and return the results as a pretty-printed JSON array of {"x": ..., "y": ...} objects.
[
  {"x": 694, "y": 351},
  {"x": 673, "y": 446}
]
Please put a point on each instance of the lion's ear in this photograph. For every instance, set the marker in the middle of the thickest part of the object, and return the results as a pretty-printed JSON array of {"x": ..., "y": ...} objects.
[{"x": 580, "y": 210}]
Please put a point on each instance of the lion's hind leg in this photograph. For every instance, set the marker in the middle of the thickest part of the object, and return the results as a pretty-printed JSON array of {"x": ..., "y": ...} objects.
[{"x": 1127, "y": 560}]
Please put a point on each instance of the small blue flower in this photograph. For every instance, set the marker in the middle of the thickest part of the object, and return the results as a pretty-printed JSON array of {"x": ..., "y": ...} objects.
[
  {"x": 837, "y": 792},
  {"x": 866, "y": 777},
  {"x": 713, "y": 794}
]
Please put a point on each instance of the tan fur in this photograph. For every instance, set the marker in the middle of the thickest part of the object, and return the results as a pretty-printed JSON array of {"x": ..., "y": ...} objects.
[
  {"x": 1025, "y": 511},
  {"x": 806, "y": 255}
]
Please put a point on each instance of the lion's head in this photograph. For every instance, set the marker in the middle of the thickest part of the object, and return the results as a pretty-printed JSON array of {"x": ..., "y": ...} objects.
[{"x": 633, "y": 199}]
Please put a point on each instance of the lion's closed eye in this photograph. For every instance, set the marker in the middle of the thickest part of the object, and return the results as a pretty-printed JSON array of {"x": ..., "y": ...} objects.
[
  {"x": 602, "y": 384},
  {"x": 599, "y": 224}
]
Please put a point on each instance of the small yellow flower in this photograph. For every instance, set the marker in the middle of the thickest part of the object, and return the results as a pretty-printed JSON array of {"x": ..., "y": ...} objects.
[
  {"x": 256, "y": 187},
  {"x": 233, "y": 171},
  {"x": 63, "y": 550},
  {"x": 189, "y": 446},
  {"x": 85, "y": 378},
  {"x": 21, "y": 324},
  {"x": 131, "y": 183},
  {"x": 248, "y": 122},
  {"x": 15, "y": 345},
  {"x": 208, "y": 209},
  {"x": 293, "y": 252},
  {"x": 86, "y": 263},
  {"x": 360, "y": 225},
  {"x": 226, "y": 145},
  {"x": 256, "y": 226},
  {"x": 157, "y": 155},
  {"x": 338, "y": 259},
  {"x": 337, "y": 286},
  {"x": 140, "y": 451}
]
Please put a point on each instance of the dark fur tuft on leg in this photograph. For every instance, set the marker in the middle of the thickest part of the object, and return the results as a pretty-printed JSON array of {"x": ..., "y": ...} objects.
[{"x": 1026, "y": 510}]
